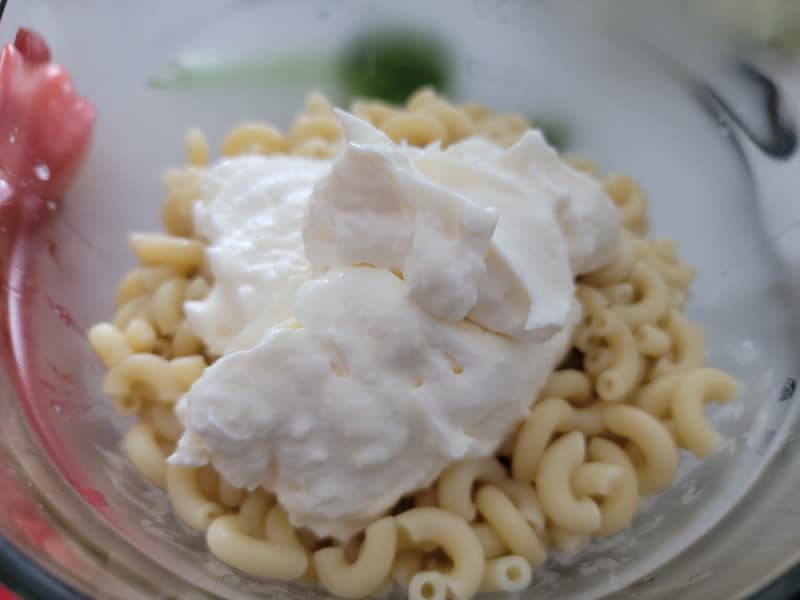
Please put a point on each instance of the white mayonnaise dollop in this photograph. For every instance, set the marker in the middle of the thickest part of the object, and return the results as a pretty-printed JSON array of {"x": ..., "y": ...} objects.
[{"x": 383, "y": 315}]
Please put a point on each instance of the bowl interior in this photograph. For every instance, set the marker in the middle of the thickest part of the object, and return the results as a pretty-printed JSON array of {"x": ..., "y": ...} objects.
[{"x": 514, "y": 56}]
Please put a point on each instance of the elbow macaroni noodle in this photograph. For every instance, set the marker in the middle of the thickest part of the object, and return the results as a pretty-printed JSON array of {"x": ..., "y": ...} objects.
[{"x": 605, "y": 430}]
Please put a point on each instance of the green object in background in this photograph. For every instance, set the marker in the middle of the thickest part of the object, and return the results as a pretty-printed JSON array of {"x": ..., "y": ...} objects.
[
  {"x": 387, "y": 65},
  {"x": 390, "y": 65}
]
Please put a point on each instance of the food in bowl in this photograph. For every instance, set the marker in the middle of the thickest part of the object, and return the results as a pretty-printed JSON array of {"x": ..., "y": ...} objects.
[{"x": 404, "y": 345}]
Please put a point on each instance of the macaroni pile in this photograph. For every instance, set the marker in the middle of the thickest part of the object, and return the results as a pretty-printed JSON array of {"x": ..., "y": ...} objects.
[{"x": 600, "y": 436}]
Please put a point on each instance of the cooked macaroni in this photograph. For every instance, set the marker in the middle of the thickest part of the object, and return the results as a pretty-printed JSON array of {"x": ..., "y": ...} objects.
[{"x": 605, "y": 429}]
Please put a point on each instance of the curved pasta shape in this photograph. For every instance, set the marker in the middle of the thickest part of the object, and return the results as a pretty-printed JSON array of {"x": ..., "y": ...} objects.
[
  {"x": 421, "y": 97},
  {"x": 589, "y": 421},
  {"x": 197, "y": 150},
  {"x": 185, "y": 342},
  {"x": 167, "y": 305},
  {"x": 620, "y": 267},
  {"x": 652, "y": 439},
  {"x": 154, "y": 275},
  {"x": 407, "y": 563},
  {"x": 148, "y": 370},
  {"x": 691, "y": 393},
  {"x": 656, "y": 396},
  {"x": 597, "y": 359},
  {"x": 187, "y": 499},
  {"x": 141, "y": 336},
  {"x": 169, "y": 250},
  {"x": 477, "y": 112},
  {"x": 109, "y": 343},
  {"x": 616, "y": 381},
  {"x": 183, "y": 189},
  {"x": 318, "y": 105},
  {"x": 619, "y": 294},
  {"x": 316, "y": 148},
  {"x": 652, "y": 341},
  {"x": 491, "y": 543},
  {"x": 253, "y": 512},
  {"x": 128, "y": 405},
  {"x": 164, "y": 421},
  {"x": 654, "y": 297},
  {"x": 254, "y": 138},
  {"x": 630, "y": 201},
  {"x": 197, "y": 289},
  {"x": 506, "y": 574},
  {"x": 144, "y": 452},
  {"x": 592, "y": 300},
  {"x": 457, "y": 124},
  {"x": 570, "y": 384},
  {"x": 375, "y": 112},
  {"x": 503, "y": 129},
  {"x": 130, "y": 287},
  {"x": 428, "y": 585},
  {"x": 135, "y": 308},
  {"x": 509, "y": 524},
  {"x": 187, "y": 369},
  {"x": 583, "y": 338},
  {"x": 619, "y": 507},
  {"x": 594, "y": 479},
  {"x": 554, "y": 488},
  {"x": 547, "y": 417},
  {"x": 662, "y": 254},
  {"x": 523, "y": 496},
  {"x": 227, "y": 540},
  {"x": 369, "y": 571},
  {"x": 455, "y": 537},
  {"x": 568, "y": 542},
  {"x": 457, "y": 481},
  {"x": 305, "y": 128},
  {"x": 416, "y": 129},
  {"x": 583, "y": 164},
  {"x": 688, "y": 347}
]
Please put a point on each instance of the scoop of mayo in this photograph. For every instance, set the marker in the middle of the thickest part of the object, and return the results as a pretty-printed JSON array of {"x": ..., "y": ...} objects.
[{"x": 382, "y": 315}]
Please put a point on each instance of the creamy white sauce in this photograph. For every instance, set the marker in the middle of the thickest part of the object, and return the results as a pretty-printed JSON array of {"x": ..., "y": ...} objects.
[{"x": 382, "y": 316}]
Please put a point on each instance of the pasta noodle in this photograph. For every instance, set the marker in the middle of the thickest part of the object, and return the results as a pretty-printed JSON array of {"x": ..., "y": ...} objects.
[
  {"x": 457, "y": 481},
  {"x": 560, "y": 460},
  {"x": 145, "y": 453},
  {"x": 506, "y": 574},
  {"x": 187, "y": 499},
  {"x": 653, "y": 295},
  {"x": 253, "y": 138},
  {"x": 618, "y": 379},
  {"x": 660, "y": 453},
  {"x": 570, "y": 384},
  {"x": 605, "y": 430},
  {"x": 691, "y": 394},
  {"x": 688, "y": 347},
  {"x": 491, "y": 543},
  {"x": 568, "y": 542},
  {"x": 228, "y": 542},
  {"x": 109, "y": 344},
  {"x": 619, "y": 506},
  {"x": 369, "y": 571},
  {"x": 547, "y": 417},
  {"x": 455, "y": 537},
  {"x": 509, "y": 524},
  {"x": 427, "y": 585}
]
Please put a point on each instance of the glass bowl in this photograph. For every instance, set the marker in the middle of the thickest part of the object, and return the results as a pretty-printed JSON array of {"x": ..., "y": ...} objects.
[{"x": 76, "y": 519}]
